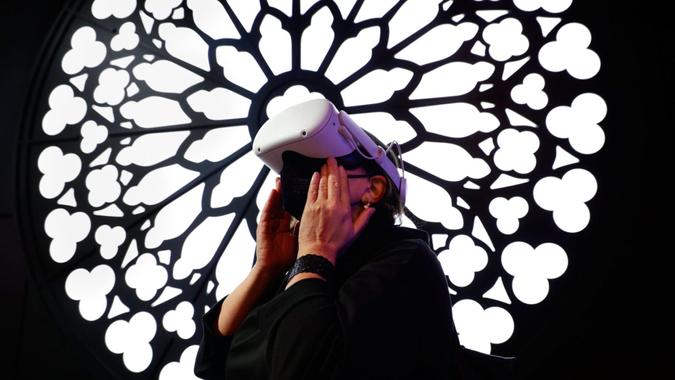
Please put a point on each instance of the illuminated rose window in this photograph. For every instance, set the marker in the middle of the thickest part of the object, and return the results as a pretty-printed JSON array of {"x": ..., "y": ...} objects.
[{"x": 143, "y": 195}]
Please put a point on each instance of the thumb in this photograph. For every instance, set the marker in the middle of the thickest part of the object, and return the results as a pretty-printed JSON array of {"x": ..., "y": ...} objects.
[{"x": 362, "y": 220}]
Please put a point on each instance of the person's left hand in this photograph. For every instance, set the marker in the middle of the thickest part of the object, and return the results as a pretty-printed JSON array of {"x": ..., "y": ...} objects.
[
  {"x": 276, "y": 246},
  {"x": 326, "y": 226}
]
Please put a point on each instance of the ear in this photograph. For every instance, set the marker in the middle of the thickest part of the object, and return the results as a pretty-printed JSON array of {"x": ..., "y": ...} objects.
[{"x": 376, "y": 190}]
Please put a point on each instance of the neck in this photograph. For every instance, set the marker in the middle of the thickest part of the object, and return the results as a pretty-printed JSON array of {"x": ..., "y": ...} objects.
[{"x": 373, "y": 230}]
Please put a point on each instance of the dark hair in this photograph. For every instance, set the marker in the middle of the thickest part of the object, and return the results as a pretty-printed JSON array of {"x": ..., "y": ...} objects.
[{"x": 389, "y": 206}]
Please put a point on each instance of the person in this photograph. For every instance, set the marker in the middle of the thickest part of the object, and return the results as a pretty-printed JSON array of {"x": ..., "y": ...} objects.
[{"x": 385, "y": 313}]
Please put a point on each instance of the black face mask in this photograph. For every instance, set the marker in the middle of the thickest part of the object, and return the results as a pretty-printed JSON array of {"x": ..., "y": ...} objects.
[{"x": 296, "y": 174}]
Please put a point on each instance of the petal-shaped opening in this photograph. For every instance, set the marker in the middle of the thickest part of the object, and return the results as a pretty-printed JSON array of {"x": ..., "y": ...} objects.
[
  {"x": 275, "y": 45},
  {"x": 245, "y": 11},
  {"x": 353, "y": 54},
  {"x": 385, "y": 127},
  {"x": 218, "y": 144},
  {"x": 439, "y": 43},
  {"x": 186, "y": 45},
  {"x": 219, "y": 104},
  {"x": 201, "y": 244},
  {"x": 240, "y": 68},
  {"x": 455, "y": 120},
  {"x": 375, "y": 87},
  {"x": 245, "y": 170},
  {"x": 316, "y": 40},
  {"x": 154, "y": 112},
  {"x": 435, "y": 156},
  {"x": 166, "y": 76},
  {"x": 211, "y": 18},
  {"x": 412, "y": 16},
  {"x": 432, "y": 203},
  {"x": 452, "y": 79},
  {"x": 294, "y": 95}
]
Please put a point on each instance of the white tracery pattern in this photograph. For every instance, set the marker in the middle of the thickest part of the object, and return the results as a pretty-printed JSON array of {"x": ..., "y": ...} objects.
[{"x": 162, "y": 100}]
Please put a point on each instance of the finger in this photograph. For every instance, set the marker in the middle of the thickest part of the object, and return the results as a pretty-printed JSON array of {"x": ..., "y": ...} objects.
[
  {"x": 268, "y": 211},
  {"x": 344, "y": 187},
  {"x": 333, "y": 181},
  {"x": 270, "y": 200},
  {"x": 323, "y": 183},
  {"x": 313, "y": 192},
  {"x": 277, "y": 184},
  {"x": 284, "y": 222},
  {"x": 276, "y": 207}
]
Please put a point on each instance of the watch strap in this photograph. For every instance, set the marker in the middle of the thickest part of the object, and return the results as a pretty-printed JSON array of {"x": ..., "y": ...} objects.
[{"x": 311, "y": 263}]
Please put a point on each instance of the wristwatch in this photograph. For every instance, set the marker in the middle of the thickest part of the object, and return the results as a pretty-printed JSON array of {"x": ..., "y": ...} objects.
[{"x": 311, "y": 263}]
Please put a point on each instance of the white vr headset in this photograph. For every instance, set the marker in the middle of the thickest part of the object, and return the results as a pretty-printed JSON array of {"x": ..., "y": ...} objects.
[{"x": 316, "y": 129}]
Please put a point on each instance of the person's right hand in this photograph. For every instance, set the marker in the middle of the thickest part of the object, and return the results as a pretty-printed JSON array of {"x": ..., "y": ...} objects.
[
  {"x": 276, "y": 247},
  {"x": 328, "y": 226}
]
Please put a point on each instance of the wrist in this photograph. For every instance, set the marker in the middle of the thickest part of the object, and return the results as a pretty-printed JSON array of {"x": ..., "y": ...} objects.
[
  {"x": 310, "y": 265},
  {"x": 266, "y": 272}
]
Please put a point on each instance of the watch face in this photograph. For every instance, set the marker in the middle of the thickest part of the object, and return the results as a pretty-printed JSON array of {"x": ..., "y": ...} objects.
[{"x": 139, "y": 193}]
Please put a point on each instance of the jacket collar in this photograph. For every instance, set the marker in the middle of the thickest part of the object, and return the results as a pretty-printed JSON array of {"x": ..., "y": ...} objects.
[{"x": 377, "y": 234}]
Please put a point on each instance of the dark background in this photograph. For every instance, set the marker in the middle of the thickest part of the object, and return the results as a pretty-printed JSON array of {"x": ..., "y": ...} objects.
[{"x": 606, "y": 322}]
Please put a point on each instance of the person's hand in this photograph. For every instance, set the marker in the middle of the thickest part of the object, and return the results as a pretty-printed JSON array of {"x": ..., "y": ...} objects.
[
  {"x": 326, "y": 226},
  {"x": 276, "y": 247}
]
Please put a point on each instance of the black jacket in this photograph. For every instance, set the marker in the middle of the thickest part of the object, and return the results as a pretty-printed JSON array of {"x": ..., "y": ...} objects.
[{"x": 386, "y": 316}]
